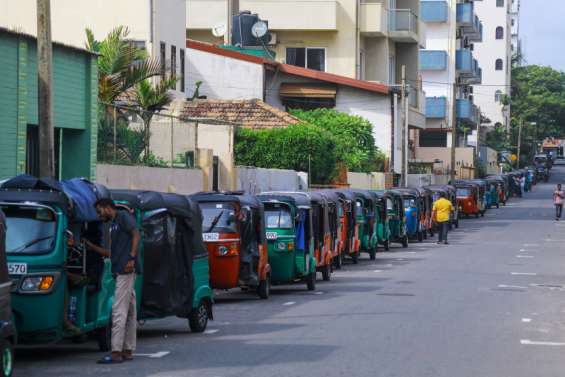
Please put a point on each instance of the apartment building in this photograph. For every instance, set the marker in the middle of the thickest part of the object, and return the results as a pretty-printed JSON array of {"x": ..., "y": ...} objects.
[
  {"x": 495, "y": 57},
  {"x": 159, "y": 26},
  {"x": 515, "y": 44}
]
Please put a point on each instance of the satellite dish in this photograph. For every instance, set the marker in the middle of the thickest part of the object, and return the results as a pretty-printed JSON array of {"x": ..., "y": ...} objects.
[
  {"x": 219, "y": 30},
  {"x": 259, "y": 29}
]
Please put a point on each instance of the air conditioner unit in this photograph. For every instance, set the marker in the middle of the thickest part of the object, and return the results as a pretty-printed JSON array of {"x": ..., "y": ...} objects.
[{"x": 274, "y": 39}]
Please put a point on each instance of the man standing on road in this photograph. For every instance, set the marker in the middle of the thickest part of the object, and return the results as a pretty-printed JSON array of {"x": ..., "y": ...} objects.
[
  {"x": 558, "y": 196},
  {"x": 124, "y": 241},
  {"x": 440, "y": 213}
]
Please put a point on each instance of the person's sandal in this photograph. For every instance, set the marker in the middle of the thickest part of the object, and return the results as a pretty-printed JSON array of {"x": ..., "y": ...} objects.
[{"x": 110, "y": 359}]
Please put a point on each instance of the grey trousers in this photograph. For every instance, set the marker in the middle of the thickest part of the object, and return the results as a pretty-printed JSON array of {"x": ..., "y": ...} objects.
[
  {"x": 124, "y": 316},
  {"x": 443, "y": 229}
]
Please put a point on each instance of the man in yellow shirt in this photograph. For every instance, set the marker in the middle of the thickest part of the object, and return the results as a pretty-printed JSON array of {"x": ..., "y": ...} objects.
[{"x": 440, "y": 213}]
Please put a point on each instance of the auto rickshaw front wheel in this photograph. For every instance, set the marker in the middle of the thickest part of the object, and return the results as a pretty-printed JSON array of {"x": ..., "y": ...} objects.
[
  {"x": 311, "y": 281},
  {"x": 264, "y": 288},
  {"x": 338, "y": 261},
  {"x": 355, "y": 257},
  {"x": 420, "y": 236},
  {"x": 387, "y": 245},
  {"x": 198, "y": 318},
  {"x": 7, "y": 358}
]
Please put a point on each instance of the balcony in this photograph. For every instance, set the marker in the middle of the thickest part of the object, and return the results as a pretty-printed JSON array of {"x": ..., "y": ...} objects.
[
  {"x": 295, "y": 14},
  {"x": 464, "y": 61},
  {"x": 417, "y": 107},
  {"x": 436, "y": 107},
  {"x": 466, "y": 111},
  {"x": 465, "y": 14},
  {"x": 431, "y": 60},
  {"x": 475, "y": 76},
  {"x": 434, "y": 11},
  {"x": 403, "y": 26},
  {"x": 373, "y": 20}
]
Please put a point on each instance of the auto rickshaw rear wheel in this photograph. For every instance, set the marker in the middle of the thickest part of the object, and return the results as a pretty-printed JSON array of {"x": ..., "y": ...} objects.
[
  {"x": 264, "y": 288},
  {"x": 327, "y": 272},
  {"x": 198, "y": 318},
  {"x": 311, "y": 281},
  {"x": 355, "y": 257},
  {"x": 7, "y": 358},
  {"x": 104, "y": 337},
  {"x": 457, "y": 223},
  {"x": 420, "y": 236},
  {"x": 387, "y": 245}
]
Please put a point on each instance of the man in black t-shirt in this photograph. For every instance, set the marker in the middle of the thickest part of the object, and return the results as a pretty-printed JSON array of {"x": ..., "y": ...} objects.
[{"x": 124, "y": 241}]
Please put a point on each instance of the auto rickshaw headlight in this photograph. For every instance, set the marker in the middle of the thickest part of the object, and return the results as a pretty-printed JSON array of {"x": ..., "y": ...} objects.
[
  {"x": 223, "y": 250},
  {"x": 37, "y": 283},
  {"x": 281, "y": 246}
]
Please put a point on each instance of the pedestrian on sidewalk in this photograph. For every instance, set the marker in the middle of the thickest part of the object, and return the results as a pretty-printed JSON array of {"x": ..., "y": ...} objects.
[
  {"x": 124, "y": 241},
  {"x": 441, "y": 213},
  {"x": 558, "y": 196}
]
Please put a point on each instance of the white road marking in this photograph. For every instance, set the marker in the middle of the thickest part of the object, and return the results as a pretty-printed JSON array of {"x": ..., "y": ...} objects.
[
  {"x": 511, "y": 286},
  {"x": 522, "y": 250},
  {"x": 211, "y": 331},
  {"x": 289, "y": 303},
  {"x": 412, "y": 252},
  {"x": 156, "y": 355},
  {"x": 378, "y": 271},
  {"x": 524, "y": 256},
  {"x": 538, "y": 343},
  {"x": 318, "y": 293},
  {"x": 526, "y": 320},
  {"x": 531, "y": 244},
  {"x": 523, "y": 273}
]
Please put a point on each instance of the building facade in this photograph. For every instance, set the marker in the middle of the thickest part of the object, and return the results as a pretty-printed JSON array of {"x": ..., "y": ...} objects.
[
  {"x": 75, "y": 108},
  {"x": 495, "y": 56},
  {"x": 159, "y": 26}
]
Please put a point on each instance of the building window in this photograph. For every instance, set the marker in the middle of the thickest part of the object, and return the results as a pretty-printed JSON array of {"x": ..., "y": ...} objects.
[
  {"x": 498, "y": 65},
  {"x": 181, "y": 62},
  {"x": 500, "y": 3},
  {"x": 173, "y": 61},
  {"x": 307, "y": 57},
  {"x": 513, "y": 22},
  {"x": 498, "y": 96},
  {"x": 163, "y": 57},
  {"x": 499, "y": 32}
]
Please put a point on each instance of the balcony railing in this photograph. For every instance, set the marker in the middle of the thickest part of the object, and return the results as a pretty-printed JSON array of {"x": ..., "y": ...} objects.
[
  {"x": 431, "y": 60},
  {"x": 436, "y": 107},
  {"x": 434, "y": 11},
  {"x": 474, "y": 76},
  {"x": 464, "y": 61},
  {"x": 466, "y": 111},
  {"x": 465, "y": 14},
  {"x": 403, "y": 20}
]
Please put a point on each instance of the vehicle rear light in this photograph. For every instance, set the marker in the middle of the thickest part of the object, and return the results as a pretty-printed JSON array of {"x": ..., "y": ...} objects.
[
  {"x": 228, "y": 250},
  {"x": 290, "y": 246}
]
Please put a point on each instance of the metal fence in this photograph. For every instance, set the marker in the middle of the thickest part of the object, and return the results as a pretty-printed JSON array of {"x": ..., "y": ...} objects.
[{"x": 131, "y": 136}]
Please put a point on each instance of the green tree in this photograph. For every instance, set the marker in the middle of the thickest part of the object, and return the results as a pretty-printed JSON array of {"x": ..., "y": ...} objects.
[
  {"x": 300, "y": 147},
  {"x": 355, "y": 144}
]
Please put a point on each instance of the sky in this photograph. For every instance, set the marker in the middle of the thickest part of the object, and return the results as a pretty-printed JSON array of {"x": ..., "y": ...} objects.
[{"x": 542, "y": 30}]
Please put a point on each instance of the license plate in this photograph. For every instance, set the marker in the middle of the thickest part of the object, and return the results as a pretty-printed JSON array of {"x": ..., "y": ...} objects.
[
  {"x": 17, "y": 268},
  {"x": 211, "y": 236},
  {"x": 272, "y": 235}
]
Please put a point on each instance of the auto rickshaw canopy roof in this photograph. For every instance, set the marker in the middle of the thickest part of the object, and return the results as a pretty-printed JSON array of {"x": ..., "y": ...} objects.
[
  {"x": 177, "y": 204},
  {"x": 296, "y": 199},
  {"x": 228, "y": 196}
]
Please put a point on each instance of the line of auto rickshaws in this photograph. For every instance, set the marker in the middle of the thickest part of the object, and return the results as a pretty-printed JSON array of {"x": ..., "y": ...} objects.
[{"x": 195, "y": 244}]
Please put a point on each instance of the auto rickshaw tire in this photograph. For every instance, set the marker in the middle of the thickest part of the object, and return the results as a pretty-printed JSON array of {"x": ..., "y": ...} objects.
[
  {"x": 198, "y": 318},
  {"x": 355, "y": 258},
  {"x": 264, "y": 288},
  {"x": 483, "y": 214},
  {"x": 420, "y": 236},
  {"x": 387, "y": 245},
  {"x": 311, "y": 281},
  {"x": 327, "y": 272},
  {"x": 7, "y": 357},
  {"x": 372, "y": 254},
  {"x": 405, "y": 242},
  {"x": 477, "y": 215},
  {"x": 104, "y": 338}
]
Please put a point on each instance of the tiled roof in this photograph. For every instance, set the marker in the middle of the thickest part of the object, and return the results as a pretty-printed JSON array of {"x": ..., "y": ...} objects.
[{"x": 249, "y": 113}]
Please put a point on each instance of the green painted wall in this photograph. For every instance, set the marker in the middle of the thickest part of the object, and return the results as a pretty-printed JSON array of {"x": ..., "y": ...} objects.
[{"x": 75, "y": 92}]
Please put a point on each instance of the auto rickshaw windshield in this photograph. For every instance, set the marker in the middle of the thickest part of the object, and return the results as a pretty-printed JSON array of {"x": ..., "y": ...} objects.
[
  {"x": 463, "y": 192},
  {"x": 32, "y": 229},
  {"x": 218, "y": 217},
  {"x": 409, "y": 203},
  {"x": 389, "y": 204},
  {"x": 278, "y": 216}
]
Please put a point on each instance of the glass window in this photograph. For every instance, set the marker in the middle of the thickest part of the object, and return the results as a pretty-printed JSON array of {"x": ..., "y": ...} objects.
[
  {"x": 498, "y": 64},
  {"x": 173, "y": 61},
  {"x": 306, "y": 57},
  {"x": 498, "y": 96},
  {"x": 31, "y": 230},
  {"x": 218, "y": 217},
  {"x": 278, "y": 218},
  {"x": 163, "y": 57},
  {"x": 499, "y": 32},
  {"x": 463, "y": 192},
  {"x": 500, "y": 3}
]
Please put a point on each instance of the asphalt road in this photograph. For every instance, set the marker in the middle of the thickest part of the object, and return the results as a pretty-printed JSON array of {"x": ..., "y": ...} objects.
[{"x": 492, "y": 303}]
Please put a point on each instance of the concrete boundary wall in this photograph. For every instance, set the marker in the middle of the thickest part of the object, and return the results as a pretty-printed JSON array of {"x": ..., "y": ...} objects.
[
  {"x": 367, "y": 181},
  {"x": 256, "y": 180}
]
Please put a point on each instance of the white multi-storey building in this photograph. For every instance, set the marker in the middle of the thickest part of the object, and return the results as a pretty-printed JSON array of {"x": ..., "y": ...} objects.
[
  {"x": 157, "y": 25},
  {"x": 515, "y": 44},
  {"x": 446, "y": 64},
  {"x": 495, "y": 57}
]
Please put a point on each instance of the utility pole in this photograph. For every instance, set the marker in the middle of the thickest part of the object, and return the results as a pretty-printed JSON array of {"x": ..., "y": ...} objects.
[
  {"x": 453, "y": 132},
  {"x": 403, "y": 94},
  {"x": 45, "y": 90},
  {"x": 519, "y": 142}
]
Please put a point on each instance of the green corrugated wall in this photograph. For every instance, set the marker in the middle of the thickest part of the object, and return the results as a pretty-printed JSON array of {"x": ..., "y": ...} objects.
[{"x": 75, "y": 78}]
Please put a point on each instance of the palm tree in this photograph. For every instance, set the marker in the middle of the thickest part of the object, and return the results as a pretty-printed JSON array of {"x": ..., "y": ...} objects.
[
  {"x": 150, "y": 100},
  {"x": 121, "y": 65}
]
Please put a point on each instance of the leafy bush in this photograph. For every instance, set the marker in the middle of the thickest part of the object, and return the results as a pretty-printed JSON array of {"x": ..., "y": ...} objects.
[
  {"x": 289, "y": 148},
  {"x": 355, "y": 144}
]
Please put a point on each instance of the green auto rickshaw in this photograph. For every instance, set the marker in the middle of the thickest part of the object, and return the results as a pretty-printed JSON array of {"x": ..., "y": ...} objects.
[
  {"x": 397, "y": 217},
  {"x": 367, "y": 216},
  {"x": 175, "y": 279},
  {"x": 383, "y": 226},
  {"x": 290, "y": 240}
]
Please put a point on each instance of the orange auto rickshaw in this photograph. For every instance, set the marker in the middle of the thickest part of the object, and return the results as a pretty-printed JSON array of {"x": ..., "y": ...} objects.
[
  {"x": 233, "y": 229},
  {"x": 336, "y": 213},
  {"x": 350, "y": 228},
  {"x": 323, "y": 251},
  {"x": 468, "y": 198}
]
